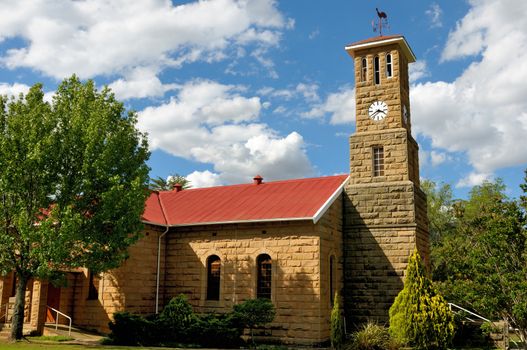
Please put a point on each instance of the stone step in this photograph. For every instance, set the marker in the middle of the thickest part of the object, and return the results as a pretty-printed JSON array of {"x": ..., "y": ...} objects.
[{"x": 5, "y": 333}]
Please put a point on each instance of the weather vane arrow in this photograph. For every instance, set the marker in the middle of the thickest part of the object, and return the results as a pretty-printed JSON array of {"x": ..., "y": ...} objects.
[{"x": 382, "y": 21}]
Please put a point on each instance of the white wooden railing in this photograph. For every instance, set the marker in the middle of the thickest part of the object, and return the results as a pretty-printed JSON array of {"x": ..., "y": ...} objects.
[
  {"x": 454, "y": 306},
  {"x": 57, "y": 318}
]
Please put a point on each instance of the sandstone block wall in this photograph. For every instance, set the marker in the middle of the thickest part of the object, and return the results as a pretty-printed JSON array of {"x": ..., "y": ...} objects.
[
  {"x": 300, "y": 278},
  {"x": 383, "y": 224},
  {"x": 131, "y": 287},
  {"x": 330, "y": 229},
  {"x": 395, "y": 147},
  {"x": 393, "y": 91}
]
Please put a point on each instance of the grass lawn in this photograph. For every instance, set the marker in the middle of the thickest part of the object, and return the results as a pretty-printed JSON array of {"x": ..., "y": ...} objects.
[{"x": 34, "y": 346}]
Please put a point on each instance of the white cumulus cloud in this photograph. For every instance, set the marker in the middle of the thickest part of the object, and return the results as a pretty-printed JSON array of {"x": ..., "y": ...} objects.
[
  {"x": 13, "y": 90},
  {"x": 98, "y": 37},
  {"x": 435, "y": 13},
  {"x": 203, "y": 179},
  {"x": 213, "y": 123},
  {"x": 482, "y": 112},
  {"x": 340, "y": 106},
  {"x": 473, "y": 179}
]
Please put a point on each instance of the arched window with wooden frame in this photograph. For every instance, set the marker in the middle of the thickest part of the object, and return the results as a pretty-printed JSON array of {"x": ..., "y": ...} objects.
[
  {"x": 213, "y": 277},
  {"x": 377, "y": 70},
  {"x": 263, "y": 283},
  {"x": 389, "y": 66},
  {"x": 364, "y": 69}
]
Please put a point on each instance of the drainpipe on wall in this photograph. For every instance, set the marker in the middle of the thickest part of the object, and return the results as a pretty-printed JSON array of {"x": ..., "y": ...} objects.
[{"x": 159, "y": 250}]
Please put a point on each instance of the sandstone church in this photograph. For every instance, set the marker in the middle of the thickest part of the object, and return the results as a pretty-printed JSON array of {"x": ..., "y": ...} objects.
[{"x": 296, "y": 242}]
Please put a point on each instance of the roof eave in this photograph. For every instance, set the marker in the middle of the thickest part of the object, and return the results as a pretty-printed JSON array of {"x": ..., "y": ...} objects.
[
  {"x": 322, "y": 210},
  {"x": 230, "y": 222},
  {"x": 351, "y": 49}
]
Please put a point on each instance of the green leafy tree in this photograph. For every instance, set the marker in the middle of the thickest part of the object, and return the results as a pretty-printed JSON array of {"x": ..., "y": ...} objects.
[
  {"x": 336, "y": 326},
  {"x": 419, "y": 316},
  {"x": 72, "y": 184},
  {"x": 440, "y": 209},
  {"x": 161, "y": 184},
  {"x": 488, "y": 257},
  {"x": 254, "y": 312},
  {"x": 523, "y": 198}
]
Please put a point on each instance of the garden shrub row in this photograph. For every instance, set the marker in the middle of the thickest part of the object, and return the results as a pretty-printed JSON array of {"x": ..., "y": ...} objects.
[{"x": 178, "y": 324}]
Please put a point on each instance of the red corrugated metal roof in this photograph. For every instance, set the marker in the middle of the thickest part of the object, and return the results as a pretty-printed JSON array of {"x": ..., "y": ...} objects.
[
  {"x": 153, "y": 211},
  {"x": 278, "y": 200}
]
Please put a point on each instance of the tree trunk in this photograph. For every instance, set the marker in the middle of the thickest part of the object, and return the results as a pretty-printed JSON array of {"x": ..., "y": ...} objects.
[{"x": 17, "y": 323}]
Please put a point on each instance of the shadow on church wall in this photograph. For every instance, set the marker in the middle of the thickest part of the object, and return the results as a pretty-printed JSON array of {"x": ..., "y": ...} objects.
[{"x": 375, "y": 257}]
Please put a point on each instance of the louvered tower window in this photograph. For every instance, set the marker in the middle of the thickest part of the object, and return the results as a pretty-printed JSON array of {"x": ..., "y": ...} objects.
[
  {"x": 377, "y": 70},
  {"x": 363, "y": 69},
  {"x": 389, "y": 69}
]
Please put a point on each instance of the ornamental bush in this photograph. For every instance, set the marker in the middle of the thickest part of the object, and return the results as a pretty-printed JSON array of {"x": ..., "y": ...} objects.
[
  {"x": 253, "y": 313},
  {"x": 419, "y": 316},
  {"x": 372, "y": 336},
  {"x": 177, "y": 317},
  {"x": 131, "y": 329},
  {"x": 336, "y": 325}
]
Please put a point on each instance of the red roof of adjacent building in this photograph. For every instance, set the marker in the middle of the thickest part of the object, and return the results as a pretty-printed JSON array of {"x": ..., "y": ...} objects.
[{"x": 299, "y": 199}]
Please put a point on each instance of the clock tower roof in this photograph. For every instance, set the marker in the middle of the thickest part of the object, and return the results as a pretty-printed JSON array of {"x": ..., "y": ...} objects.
[{"x": 381, "y": 41}]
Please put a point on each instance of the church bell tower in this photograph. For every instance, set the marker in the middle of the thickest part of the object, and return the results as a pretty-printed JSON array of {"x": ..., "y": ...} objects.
[{"x": 385, "y": 209}]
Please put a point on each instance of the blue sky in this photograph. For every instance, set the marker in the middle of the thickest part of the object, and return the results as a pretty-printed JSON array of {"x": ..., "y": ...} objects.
[{"x": 229, "y": 89}]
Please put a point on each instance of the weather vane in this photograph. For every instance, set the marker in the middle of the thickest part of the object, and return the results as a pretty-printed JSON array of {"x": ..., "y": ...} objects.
[{"x": 382, "y": 22}]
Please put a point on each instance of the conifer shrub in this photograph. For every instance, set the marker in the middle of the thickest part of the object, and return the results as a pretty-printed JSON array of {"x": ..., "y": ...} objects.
[
  {"x": 336, "y": 324},
  {"x": 419, "y": 316}
]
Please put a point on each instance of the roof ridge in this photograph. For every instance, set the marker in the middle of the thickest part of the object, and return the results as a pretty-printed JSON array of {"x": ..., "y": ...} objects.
[{"x": 251, "y": 184}]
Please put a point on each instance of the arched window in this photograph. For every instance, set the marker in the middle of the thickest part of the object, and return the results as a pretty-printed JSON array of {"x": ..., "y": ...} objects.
[
  {"x": 213, "y": 277},
  {"x": 263, "y": 283},
  {"x": 377, "y": 70},
  {"x": 331, "y": 279},
  {"x": 389, "y": 65},
  {"x": 363, "y": 69}
]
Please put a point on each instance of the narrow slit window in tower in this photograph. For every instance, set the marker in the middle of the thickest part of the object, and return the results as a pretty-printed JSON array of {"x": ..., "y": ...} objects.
[
  {"x": 378, "y": 161},
  {"x": 376, "y": 69},
  {"x": 389, "y": 65},
  {"x": 363, "y": 69}
]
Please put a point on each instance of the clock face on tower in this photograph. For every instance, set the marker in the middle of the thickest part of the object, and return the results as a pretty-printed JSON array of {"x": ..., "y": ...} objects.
[{"x": 378, "y": 110}]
